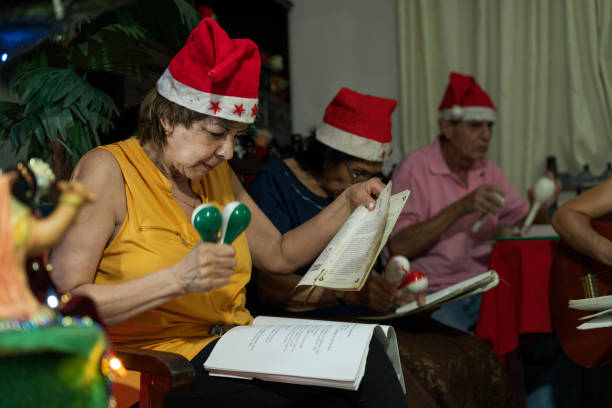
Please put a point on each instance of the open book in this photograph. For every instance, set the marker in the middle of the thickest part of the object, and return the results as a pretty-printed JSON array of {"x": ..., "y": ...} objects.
[
  {"x": 602, "y": 305},
  {"x": 346, "y": 261},
  {"x": 301, "y": 351},
  {"x": 472, "y": 286}
]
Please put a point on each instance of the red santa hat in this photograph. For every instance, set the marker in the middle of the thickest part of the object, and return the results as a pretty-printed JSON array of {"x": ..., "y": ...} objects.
[
  {"x": 214, "y": 74},
  {"x": 465, "y": 100},
  {"x": 358, "y": 125}
]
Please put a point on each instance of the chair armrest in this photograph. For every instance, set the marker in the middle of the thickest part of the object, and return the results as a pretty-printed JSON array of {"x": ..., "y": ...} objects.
[{"x": 160, "y": 371}]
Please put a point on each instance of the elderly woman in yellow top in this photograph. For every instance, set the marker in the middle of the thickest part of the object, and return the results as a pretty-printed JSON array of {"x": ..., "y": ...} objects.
[{"x": 135, "y": 253}]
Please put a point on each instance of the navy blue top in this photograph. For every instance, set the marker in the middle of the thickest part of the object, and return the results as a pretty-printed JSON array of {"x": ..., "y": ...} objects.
[
  {"x": 288, "y": 203},
  {"x": 284, "y": 199}
]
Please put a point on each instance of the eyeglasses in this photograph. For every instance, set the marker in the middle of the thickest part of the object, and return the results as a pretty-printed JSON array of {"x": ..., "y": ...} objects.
[{"x": 358, "y": 176}]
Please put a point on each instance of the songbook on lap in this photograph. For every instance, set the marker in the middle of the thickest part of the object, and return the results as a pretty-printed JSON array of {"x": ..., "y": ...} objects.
[
  {"x": 472, "y": 286},
  {"x": 346, "y": 261},
  {"x": 301, "y": 351},
  {"x": 601, "y": 304}
]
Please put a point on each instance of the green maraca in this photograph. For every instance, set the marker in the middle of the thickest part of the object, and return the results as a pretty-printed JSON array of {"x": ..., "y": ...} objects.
[
  {"x": 206, "y": 219},
  {"x": 236, "y": 217}
]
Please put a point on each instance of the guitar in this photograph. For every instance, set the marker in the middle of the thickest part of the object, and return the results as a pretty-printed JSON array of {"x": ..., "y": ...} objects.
[{"x": 576, "y": 276}]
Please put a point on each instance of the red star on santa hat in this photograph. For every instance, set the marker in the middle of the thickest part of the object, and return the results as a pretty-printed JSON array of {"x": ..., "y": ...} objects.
[
  {"x": 254, "y": 110},
  {"x": 239, "y": 109},
  {"x": 214, "y": 106}
]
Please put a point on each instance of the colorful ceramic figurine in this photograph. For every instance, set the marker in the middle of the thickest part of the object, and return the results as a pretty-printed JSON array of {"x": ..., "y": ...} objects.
[{"x": 22, "y": 235}]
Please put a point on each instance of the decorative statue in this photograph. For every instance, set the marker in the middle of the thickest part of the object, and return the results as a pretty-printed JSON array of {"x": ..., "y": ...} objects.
[{"x": 22, "y": 235}]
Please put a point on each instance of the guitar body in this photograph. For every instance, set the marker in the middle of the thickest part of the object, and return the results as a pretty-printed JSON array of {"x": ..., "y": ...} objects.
[{"x": 571, "y": 273}]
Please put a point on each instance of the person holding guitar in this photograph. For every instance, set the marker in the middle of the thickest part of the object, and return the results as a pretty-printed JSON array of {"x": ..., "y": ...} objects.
[
  {"x": 573, "y": 222},
  {"x": 581, "y": 268}
]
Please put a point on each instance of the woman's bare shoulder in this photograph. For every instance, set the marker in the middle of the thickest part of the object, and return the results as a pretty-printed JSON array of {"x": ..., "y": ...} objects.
[
  {"x": 98, "y": 167},
  {"x": 99, "y": 171}
]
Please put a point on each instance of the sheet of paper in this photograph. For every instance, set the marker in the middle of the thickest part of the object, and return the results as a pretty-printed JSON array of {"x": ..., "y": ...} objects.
[
  {"x": 384, "y": 333},
  {"x": 343, "y": 262},
  {"x": 477, "y": 284},
  {"x": 603, "y": 312},
  {"x": 592, "y": 304},
  {"x": 396, "y": 204},
  {"x": 332, "y": 351},
  {"x": 604, "y": 319}
]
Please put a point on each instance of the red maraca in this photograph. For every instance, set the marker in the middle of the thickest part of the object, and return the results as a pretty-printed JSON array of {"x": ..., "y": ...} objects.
[{"x": 398, "y": 272}]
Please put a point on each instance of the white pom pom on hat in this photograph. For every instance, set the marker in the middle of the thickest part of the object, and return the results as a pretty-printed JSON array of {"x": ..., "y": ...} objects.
[{"x": 465, "y": 100}]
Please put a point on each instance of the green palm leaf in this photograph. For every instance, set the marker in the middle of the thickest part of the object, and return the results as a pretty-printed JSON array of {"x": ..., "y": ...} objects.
[
  {"x": 62, "y": 105},
  {"x": 168, "y": 22},
  {"x": 189, "y": 16},
  {"x": 114, "y": 48},
  {"x": 56, "y": 102}
]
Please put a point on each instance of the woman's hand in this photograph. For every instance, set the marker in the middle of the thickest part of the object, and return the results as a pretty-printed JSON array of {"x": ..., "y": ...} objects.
[
  {"x": 381, "y": 295},
  {"x": 420, "y": 297},
  {"x": 377, "y": 294},
  {"x": 364, "y": 193},
  {"x": 206, "y": 267}
]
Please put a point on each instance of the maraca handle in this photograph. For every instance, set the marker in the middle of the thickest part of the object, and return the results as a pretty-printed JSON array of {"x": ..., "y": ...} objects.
[
  {"x": 532, "y": 214},
  {"x": 478, "y": 224}
]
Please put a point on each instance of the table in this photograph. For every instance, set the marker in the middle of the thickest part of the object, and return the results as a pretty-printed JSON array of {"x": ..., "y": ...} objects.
[{"x": 519, "y": 303}]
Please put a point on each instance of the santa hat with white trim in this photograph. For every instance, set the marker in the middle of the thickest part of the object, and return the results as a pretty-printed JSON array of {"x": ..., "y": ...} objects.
[
  {"x": 214, "y": 74},
  {"x": 465, "y": 100},
  {"x": 358, "y": 125}
]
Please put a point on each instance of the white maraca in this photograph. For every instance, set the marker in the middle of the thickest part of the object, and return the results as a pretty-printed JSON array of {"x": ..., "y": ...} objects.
[
  {"x": 543, "y": 191},
  {"x": 399, "y": 274},
  {"x": 478, "y": 224}
]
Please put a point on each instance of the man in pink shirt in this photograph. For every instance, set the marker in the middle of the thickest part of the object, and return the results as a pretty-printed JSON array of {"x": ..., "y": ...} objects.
[{"x": 453, "y": 184}]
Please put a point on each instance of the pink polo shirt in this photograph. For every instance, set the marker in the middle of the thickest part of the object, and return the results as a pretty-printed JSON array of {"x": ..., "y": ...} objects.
[{"x": 459, "y": 254}]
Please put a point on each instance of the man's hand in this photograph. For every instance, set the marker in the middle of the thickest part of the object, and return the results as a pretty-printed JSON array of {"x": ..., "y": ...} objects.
[
  {"x": 555, "y": 196},
  {"x": 483, "y": 199}
]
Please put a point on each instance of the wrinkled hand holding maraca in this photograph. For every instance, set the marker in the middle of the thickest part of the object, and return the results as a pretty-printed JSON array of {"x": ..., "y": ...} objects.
[
  {"x": 208, "y": 220},
  {"x": 398, "y": 272}
]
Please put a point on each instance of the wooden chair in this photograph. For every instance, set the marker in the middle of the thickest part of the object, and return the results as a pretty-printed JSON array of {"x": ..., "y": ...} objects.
[{"x": 160, "y": 372}]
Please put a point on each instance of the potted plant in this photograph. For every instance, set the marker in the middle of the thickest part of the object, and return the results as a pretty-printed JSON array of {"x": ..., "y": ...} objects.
[{"x": 59, "y": 112}]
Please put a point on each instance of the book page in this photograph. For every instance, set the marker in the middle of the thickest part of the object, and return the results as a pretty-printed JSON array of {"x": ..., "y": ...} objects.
[
  {"x": 387, "y": 337},
  {"x": 333, "y": 351},
  {"x": 603, "y": 312},
  {"x": 344, "y": 261},
  {"x": 384, "y": 333},
  {"x": 333, "y": 249},
  {"x": 592, "y": 304},
  {"x": 396, "y": 205},
  {"x": 599, "y": 320},
  {"x": 476, "y": 284}
]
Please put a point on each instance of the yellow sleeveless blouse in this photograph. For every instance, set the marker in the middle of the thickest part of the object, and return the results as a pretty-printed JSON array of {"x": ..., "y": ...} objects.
[{"x": 155, "y": 234}]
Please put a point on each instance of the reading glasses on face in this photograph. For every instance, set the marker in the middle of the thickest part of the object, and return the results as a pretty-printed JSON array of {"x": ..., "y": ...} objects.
[{"x": 357, "y": 177}]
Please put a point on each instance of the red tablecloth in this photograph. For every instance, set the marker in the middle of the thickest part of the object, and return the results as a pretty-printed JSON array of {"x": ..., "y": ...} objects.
[{"x": 519, "y": 304}]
